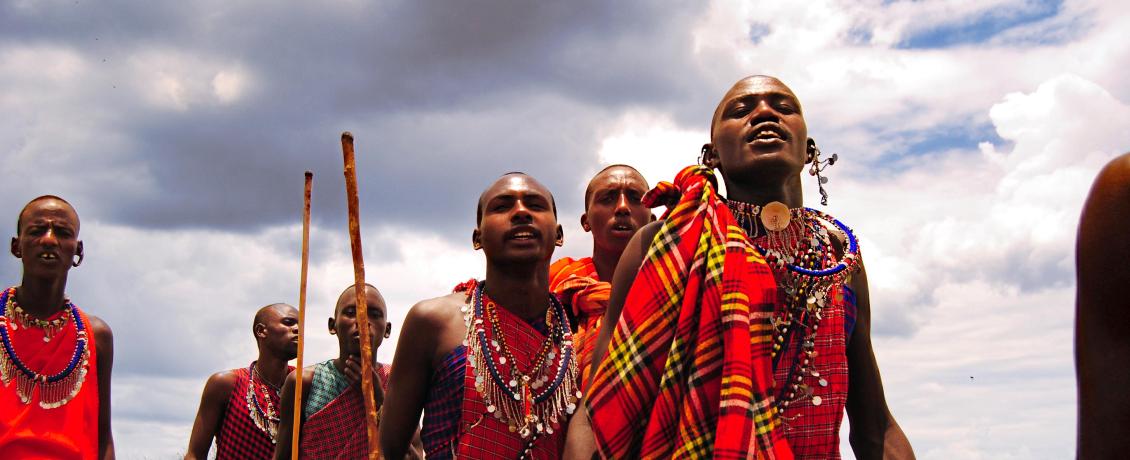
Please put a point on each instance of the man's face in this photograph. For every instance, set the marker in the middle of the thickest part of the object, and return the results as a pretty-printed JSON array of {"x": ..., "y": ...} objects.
[
  {"x": 759, "y": 127},
  {"x": 47, "y": 241},
  {"x": 614, "y": 210},
  {"x": 344, "y": 322},
  {"x": 278, "y": 329},
  {"x": 518, "y": 223}
]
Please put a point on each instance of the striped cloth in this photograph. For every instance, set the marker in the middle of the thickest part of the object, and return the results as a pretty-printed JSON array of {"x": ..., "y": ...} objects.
[
  {"x": 238, "y": 436},
  {"x": 577, "y": 285},
  {"x": 484, "y": 436},
  {"x": 688, "y": 372},
  {"x": 443, "y": 407},
  {"x": 813, "y": 431},
  {"x": 337, "y": 429}
]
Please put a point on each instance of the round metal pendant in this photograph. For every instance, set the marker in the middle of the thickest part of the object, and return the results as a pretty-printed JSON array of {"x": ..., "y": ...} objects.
[
  {"x": 775, "y": 216},
  {"x": 816, "y": 400}
]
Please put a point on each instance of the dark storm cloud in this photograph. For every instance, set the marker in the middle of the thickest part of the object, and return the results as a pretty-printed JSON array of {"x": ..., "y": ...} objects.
[{"x": 441, "y": 96}]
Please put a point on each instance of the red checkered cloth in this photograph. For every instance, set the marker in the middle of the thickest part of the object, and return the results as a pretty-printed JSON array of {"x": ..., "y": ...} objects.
[
  {"x": 577, "y": 285},
  {"x": 813, "y": 432},
  {"x": 688, "y": 372},
  {"x": 238, "y": 436},
  {"x": 337, "y": 431},
  {"x": 483, "y": 435}
]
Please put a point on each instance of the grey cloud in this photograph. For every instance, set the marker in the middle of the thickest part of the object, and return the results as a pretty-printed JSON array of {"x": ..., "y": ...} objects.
[{"x": 450, "y": 94}]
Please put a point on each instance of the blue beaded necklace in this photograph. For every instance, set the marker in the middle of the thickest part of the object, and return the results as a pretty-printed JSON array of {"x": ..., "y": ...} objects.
[{"x": 55, "y": 389}]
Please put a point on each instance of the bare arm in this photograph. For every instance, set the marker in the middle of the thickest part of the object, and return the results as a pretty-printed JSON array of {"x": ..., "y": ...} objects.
[
  {"x": 412, "y": 369},
  {"x": 874, "y": 432},
  {"x": 213, "y": 403},
  {"x": 579, "y": 442},
  {"x": 286, "y": 412},
  {"x": 104, "y": 343},
  {"x": 1102, "y": 314}
]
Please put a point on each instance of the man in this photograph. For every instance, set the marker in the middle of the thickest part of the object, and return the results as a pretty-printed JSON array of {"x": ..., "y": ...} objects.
[
  {"x": 1101, "y": 310},
  {"x": 55, "y": 360},
  {"x": 754, "y": 311},
  {"x": 491, "y": 366},
  {"x": 333, "y": 413},
  {"x": 240, "y": 407},
  {"x": 613, "y": 213}
]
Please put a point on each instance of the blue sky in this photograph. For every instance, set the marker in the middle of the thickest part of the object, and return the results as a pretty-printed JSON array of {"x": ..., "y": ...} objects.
[{"x": 968, "y": 134}]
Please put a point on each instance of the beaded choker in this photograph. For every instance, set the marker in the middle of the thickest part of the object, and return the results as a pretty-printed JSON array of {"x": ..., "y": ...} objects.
[
  {"x": 55, "y": 389},
  {"x": 260, "y": 404},
  {"x": 532, "y": 401},
  {"x": 798, "y": 248}
]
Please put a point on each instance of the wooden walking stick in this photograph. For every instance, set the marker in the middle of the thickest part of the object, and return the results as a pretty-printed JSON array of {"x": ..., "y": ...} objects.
[
  {"x": 359, "y": 288},
  {"x": 297, "y": 426}
]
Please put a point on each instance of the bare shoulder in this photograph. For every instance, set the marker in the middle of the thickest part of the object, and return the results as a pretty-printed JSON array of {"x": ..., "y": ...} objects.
[
  {"x": 101, "y": 330},
  {"x": 437, "y": 312},
  {"x": 1113, "y": 181},
  {"x": 221, "y": 382}
]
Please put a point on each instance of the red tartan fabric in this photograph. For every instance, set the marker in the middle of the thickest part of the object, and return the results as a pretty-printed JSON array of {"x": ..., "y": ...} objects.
[
  {"x": 238, "y": 436},
  {"x": 576, "y": 283},
  {"x": 813, "y": 432},
  {"x": 338, "y": 431},
  {"x": 68, "y": 431},
  {"x": 482, "y": 435},
  {"x": 689, "y": 374}
]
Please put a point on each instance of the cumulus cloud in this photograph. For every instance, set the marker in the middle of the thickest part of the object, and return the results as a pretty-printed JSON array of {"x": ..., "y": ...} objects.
[{"x": 968, "y": 134}]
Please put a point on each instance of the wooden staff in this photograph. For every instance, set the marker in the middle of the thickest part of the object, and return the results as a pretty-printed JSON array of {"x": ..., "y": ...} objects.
[
  {"x": 359, "y": 289},
  {"x": 297, "y": 426}
]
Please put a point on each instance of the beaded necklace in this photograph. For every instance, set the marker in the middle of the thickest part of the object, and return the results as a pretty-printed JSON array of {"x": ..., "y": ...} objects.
[
  {"x": 531, "y": 403},
  {"x": 265, "y": 415},
  {"x": 50, "y": 327},
  {"x": 56, "y": 389},
  {"x": 798, "y": 248}
]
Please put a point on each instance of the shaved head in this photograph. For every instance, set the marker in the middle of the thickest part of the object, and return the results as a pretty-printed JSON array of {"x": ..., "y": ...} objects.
[
  {"x": 607, "y": 170},
  {"x": 264, "y": 314},
  {"x": 27, "y": 207},
  {"x": 350, "y": 294},
  {"x": 534, "y": 182},
  {"x": 741, "y": 85}
]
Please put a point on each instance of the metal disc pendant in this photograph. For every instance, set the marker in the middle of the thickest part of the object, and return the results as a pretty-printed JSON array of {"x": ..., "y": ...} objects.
[
  {"x": 816, "y": 400},
  {"x": 775, "y": 216}
]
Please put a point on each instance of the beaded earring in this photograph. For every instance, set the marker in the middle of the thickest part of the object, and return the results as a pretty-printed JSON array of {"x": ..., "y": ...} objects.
[{"x": 818, "y": 167}]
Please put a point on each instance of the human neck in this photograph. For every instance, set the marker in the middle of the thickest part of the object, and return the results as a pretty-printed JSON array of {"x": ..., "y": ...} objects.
[
  {"x": 271, "y": 368},
  {"x": 789, "y": 193},
  {"x": 605, "y": 262},
  {"x": 41, "y": 297},
  {"x": 522, "y": 291}
]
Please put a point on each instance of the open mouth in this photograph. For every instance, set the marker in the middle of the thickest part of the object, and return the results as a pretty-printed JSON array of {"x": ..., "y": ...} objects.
[
  {"x": 49, "y": 256},
  {"x": 620, "y": 227},
  {"x": 523, "y": 234},
  {"x": 767, "y": 133}
]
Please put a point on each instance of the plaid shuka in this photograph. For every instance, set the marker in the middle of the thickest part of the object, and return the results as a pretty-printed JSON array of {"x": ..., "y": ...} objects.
[
  {"x": 688, "y": 372},
  {"x": 577, "y": 285},
  {"x": 813, "y": 432},
  {"x": 481, "y": 434},
  {"x": 443, "y": 407},
  {"x": 337, "y": 430},
  {"x": 238, "y": 436}
]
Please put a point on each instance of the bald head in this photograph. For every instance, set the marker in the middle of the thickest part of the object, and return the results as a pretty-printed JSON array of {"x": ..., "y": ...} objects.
[
  {"x": 506, "y": 181},
  {"x": 270, "y": 312},
  {"x": 373, "y": 298},
  {"x": 748, "y": 84},
  {"x": 46, "y": 201},
  {"x": 608, "y": 171}
]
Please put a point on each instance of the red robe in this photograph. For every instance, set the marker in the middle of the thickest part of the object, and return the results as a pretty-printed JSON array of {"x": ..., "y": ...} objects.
[{"x": 28, "y": 431}]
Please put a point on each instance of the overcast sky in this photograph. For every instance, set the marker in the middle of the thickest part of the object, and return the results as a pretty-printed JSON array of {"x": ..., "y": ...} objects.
[{"x": 968, "y": 135}]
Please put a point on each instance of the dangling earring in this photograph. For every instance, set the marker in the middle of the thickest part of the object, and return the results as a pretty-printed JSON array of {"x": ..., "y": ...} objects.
[
  {"x": 818, "y": 167},
  {"x": 702, "y": 155},
  {"x": 79, "y": 261}
]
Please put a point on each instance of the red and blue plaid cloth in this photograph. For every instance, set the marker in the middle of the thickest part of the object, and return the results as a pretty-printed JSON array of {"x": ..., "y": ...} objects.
[
  {"x": 238, "y": 436},
  {"x": 688, "y": 372}
]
